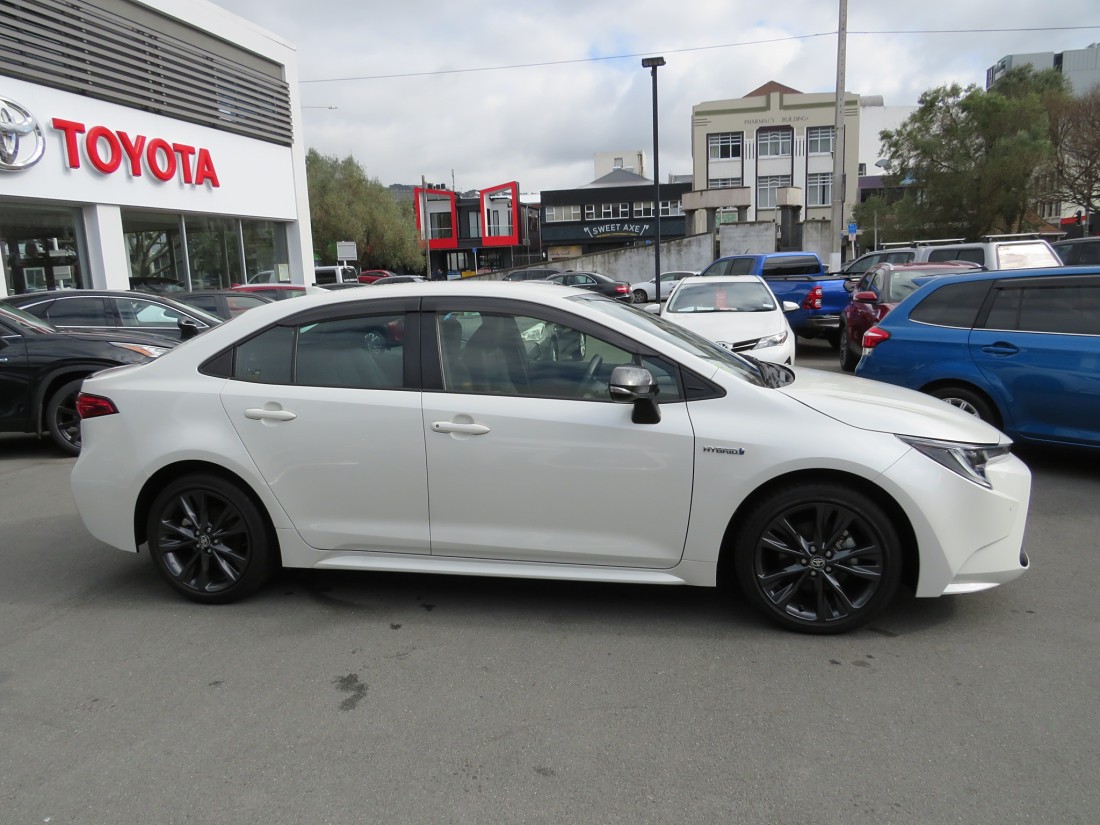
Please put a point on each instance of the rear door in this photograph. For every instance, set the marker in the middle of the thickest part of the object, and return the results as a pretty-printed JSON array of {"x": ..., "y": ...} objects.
[
  {"x": 15, "y": 381},
  {"x": 1040, "y": 343}
]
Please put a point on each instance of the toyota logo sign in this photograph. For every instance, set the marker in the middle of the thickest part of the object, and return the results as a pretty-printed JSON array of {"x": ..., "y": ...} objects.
[{"x": 21, "y": 140}]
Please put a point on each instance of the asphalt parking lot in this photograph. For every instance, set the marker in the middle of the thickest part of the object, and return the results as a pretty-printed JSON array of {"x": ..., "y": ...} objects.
[{"x": 355, "y": 698}]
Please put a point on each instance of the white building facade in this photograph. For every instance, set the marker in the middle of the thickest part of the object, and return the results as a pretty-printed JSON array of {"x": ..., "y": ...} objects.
[{"x": 151, "y": 139}]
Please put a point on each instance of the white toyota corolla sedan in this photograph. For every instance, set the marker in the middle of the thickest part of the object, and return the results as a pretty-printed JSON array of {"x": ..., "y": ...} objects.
[
  {"x": 738, "y": 312},
  {"x": 509, "y": 430}
]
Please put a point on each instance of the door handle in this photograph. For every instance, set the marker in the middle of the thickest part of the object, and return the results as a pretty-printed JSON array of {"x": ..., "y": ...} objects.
[
  {"x": 452, "y": 427},
  {"x": 259, "y": 414},
  {"x": 1001, "y": 348}
]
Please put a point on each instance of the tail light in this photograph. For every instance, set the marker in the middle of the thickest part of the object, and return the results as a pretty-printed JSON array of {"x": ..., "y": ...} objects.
[
  {"x": 622, "y": 289},
  {"x": 873, "y": 337},
  {"x": 814, "y": 298},
  {"x": 93, "y": 406}
]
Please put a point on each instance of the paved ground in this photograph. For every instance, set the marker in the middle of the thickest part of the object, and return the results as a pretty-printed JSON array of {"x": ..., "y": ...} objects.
[{"x": 359, "y": 698}]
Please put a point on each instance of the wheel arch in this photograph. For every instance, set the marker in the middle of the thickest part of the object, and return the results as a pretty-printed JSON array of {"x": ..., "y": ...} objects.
[
  {"x": 962, "y": 383},
  {"x": 169, "y": 473},
  {"x": 50, "y": 384},
  {"x": 910, "y": 556}
]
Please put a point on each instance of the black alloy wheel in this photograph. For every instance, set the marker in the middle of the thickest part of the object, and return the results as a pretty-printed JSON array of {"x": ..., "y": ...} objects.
[
  {"x": 209, "y": 540},
  {"x": 848, "y": 359},
  {"x": 62, "y": 419},
  {"x": 818, "y": 558}
]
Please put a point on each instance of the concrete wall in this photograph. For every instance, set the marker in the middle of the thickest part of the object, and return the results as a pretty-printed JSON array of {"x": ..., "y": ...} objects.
[
  {"x": 750, "y": 237},
  {"x": 635, "y": 263}
]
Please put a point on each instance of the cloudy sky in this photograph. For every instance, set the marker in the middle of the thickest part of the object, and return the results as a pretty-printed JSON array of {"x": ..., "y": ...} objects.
[{"x": 478, "y": 93}]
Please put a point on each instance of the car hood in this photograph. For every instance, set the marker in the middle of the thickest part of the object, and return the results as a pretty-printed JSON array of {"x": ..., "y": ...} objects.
[
  {"x": 728, "y": 326},
  {"x": 874, "y": 405}
]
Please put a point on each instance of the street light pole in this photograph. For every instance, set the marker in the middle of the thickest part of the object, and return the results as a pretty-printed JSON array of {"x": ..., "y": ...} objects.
[{"x": 652, "y": 63}]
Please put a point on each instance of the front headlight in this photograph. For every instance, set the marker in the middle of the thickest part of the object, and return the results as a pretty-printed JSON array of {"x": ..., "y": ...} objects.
[
  {"x": 142, "y": 349},
  {"x": 967, "y": 460},
  {"x": 772, "y": 340}
]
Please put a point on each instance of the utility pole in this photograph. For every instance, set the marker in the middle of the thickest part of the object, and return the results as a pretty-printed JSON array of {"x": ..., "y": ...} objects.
[{"x": 838, "y": 140}]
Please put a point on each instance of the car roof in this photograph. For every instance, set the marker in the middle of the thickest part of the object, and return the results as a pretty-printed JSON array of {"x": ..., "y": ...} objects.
[
  {"x": 720, "y": 279},
  {"x": 929, "y": 266}
]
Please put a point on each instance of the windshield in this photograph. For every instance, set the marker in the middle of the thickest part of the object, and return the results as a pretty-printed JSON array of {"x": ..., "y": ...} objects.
[
  {"x": 685, "y": 339},
  {"x": 735, "y": 296},
  {"x": 24, "y": 321}
]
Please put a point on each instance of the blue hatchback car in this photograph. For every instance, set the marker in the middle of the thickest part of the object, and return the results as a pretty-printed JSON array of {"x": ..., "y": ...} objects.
[{"x": 1020, "y": 349}]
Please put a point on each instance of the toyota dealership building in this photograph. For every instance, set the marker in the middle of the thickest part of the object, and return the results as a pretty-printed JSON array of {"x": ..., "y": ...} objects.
[{"x": 155, "y": 139}]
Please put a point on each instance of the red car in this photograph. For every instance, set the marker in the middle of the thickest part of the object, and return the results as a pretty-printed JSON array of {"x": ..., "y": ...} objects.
[
  {"x": 369, "y": 276},
  {"x": 879, "y": 291}
]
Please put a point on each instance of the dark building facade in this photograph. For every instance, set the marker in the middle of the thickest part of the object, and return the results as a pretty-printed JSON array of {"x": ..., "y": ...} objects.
[{"x": 612, "y": 212}]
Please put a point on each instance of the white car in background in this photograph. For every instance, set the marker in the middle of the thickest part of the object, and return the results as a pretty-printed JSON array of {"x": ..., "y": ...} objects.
[
  {"x": 247, "y": 449},
  {"x": 738, "y": 312},
  {"x": 645, "y": 291}
]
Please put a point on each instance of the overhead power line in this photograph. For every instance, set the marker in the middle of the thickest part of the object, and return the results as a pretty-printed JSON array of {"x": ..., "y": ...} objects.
[{"x": 693, "y": 49}]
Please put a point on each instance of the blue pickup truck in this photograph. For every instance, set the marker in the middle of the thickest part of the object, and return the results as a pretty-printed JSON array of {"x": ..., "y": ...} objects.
[{"x": 799, "y": 277}]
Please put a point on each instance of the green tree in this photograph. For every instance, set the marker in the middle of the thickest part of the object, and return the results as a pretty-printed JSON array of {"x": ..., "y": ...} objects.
[
  {"x": 346, "y": 205},
  {"x": 1075, "y": 135},
  {"x": 969, "y": 162}
]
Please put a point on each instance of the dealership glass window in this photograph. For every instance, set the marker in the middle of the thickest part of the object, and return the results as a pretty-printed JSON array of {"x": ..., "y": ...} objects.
[
  {"x": 724, "y": 146},
  {"x": 819, "y": 189},
  {"x": 819, "y": 140},
  {"x": 42, "y": 247},
  {"x": 154, "y": 241},
  {"x": 670, "y": 209},
  {"x": 214, "y": 252},
  {"x": 265, "y": 248},
  {"x": 773, "y": 143},
  {"x": 766, "y": 188},
  {"x": 643, "y": 209}
]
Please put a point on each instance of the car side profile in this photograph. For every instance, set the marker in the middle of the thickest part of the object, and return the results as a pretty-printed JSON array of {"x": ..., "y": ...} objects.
[
  {"x": 106, "y": 310},
  {"x": 42, "y": 369},
  {"x": 594, "y": 281},
  {"x": 642, "y": 292},
  {"x": 505, "y": 453},
  {"x": 1020, "y": 350}
]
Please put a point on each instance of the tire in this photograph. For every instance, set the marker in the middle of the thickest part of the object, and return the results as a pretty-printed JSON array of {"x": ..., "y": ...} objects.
[
  {"x": 818, "y": 558},
  {"x": 640, "y": 296},
  {"x": 209, "y": 540},
  {"x": 833, "y": 337},
  {"x": 968, "y": 400},
  {"x": 848, "y": 360},
  {"x": 62, "y": 419}
]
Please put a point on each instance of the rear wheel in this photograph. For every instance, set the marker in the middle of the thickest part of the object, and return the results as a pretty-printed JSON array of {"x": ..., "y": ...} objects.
[
  {"x": 209, "y": 540},
  {"x": 62, "y": 419},
  {"x": 640, "y": 296},
  {"x": 848, "y": 359},
  {"x": 969, "y": 401},
  {"x": 818, "y": 558}
]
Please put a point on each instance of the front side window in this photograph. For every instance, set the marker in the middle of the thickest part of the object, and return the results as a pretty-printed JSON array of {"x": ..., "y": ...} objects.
[
  {"x": 819, "y": 140},
  {"x": 773, "y": 143},
  {"x": 520, "y": 355}
]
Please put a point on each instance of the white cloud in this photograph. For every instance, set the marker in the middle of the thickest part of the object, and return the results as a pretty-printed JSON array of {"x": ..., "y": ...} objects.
[{"x": 541, "y": 124}]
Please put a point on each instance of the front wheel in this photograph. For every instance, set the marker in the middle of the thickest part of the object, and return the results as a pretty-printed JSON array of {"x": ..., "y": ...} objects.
[
  {"x": 62, "y": 419},
  {"x": 848, "y": 359},
  {"x": 640, "y": 296},
  {"x": 209, "y": 540},
  {"x": 818, "y": 558}
]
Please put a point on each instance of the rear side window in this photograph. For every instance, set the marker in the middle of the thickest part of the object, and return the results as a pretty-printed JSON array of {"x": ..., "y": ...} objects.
[
  {"x": 792, "y": 265},
  {"x": 1025, "y": 256},
  {"x": 974, "y": 254},
  {"x": 720, "y": 267},
  {"x": 952, "y": 305},
  {"x": 75, "y": 312},
  {"x": 740, "y": 266},
  {"x": 1070, "y": 310}
]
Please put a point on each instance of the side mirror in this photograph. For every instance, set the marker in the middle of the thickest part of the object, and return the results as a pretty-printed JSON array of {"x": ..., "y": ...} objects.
[
  {"x": 789, "y": 306},
  {"x": 189, "y": 328},
  {"x": 867, "y": 297},
  {"x": 636, "y": 385},
  {"x": 652, "y": 309}
]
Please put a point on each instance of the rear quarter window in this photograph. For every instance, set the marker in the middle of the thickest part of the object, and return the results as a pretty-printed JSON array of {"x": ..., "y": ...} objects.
[
  {"x": 793, "y": 265},
  {"x": 1069, "y": 310},
  {"x": 951, "y": 305}
]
